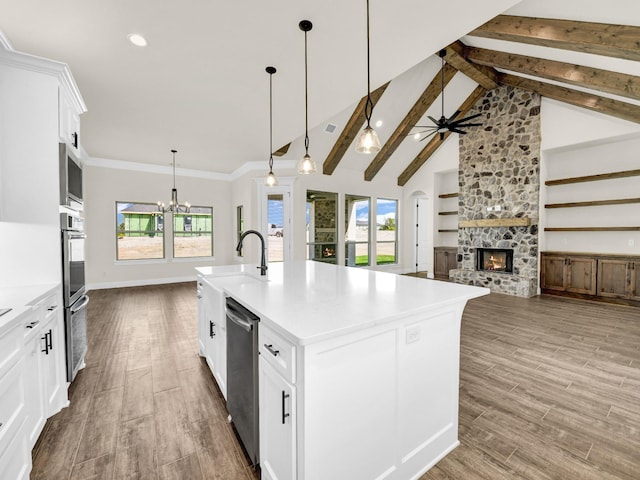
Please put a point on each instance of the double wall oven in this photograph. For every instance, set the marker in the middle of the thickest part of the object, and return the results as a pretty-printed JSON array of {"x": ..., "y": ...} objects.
[{"x": 73, "y": 257}]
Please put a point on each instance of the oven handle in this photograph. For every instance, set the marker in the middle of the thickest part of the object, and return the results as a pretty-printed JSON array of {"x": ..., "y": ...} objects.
[
  {"x": 73, "y": 235},
  {"x": 81, "y": 304}
]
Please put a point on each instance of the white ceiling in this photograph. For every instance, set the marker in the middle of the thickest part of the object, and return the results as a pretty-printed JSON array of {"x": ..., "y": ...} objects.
[{"x": 200, "y": 86}]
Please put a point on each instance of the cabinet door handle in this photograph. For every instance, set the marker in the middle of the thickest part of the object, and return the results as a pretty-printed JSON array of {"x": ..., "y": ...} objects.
[
  {"x": 211, "y": 332},
  {"x": 46, "y": 343},
  {"x": 284, "y": 414},
  {"x": 271, "y": 350},
  {"x": 75, "y": 139},
  {"x": 50, "y": 344}
]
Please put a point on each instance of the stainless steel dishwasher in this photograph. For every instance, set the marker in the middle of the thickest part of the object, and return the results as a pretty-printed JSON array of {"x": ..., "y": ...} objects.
[{"x": 242, "y": 375}]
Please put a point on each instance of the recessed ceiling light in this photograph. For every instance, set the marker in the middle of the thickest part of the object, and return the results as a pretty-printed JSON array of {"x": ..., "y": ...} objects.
[
  {"x": 137, "y": 39},
  {"x": 379, "y": 123}
]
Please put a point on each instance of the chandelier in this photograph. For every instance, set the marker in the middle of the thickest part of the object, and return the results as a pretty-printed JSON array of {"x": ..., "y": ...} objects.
[{"x": 174, "y": 205}]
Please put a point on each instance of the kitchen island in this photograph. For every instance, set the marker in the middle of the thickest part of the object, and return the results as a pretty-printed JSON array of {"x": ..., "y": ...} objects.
[{"x": 358, "y": 369}]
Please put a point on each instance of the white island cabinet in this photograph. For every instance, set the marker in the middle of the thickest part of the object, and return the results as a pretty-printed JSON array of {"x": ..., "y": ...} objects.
[{"x": 359, "y": 370}]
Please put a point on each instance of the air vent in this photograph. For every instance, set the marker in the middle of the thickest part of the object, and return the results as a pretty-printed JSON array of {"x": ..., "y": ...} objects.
[{"x": 330, "y": 128}]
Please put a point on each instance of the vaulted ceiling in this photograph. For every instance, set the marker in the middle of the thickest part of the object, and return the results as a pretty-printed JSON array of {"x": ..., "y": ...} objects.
[{"x": 200, "y": 86}]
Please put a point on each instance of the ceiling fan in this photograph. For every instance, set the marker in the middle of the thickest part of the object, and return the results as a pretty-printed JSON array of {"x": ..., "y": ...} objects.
[{"x": 445, "y": 124}]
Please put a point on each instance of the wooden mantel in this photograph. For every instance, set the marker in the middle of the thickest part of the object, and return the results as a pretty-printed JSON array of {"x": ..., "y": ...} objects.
[{"x": 496, "y": 222}]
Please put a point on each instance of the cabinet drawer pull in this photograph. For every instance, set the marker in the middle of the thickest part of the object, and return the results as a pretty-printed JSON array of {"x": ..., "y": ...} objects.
[
  {"x": 284, "y": 415},
  {"x": 271, "y": 350},
  {"x": 32, "y": 324},
  {"x": 211, "y": 332}
]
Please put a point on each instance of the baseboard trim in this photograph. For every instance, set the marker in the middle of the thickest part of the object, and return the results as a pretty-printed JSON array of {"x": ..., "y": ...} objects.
[{"x": 139, "y": 283}]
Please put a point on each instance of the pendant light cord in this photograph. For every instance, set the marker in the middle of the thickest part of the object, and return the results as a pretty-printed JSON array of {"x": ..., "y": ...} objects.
[
  {"x": 270, "y": 123},
  {"x": 174, "y": 168},
  {"x": 368, "y": 108},
  {"x": 306, "y": 99},
  {"x": 442, "y": 83}
]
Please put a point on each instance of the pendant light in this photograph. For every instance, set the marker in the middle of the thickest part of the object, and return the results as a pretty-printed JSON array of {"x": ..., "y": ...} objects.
[
  {"x": 174, "y": 205},
  {"x": 368, "y": 141},
  {"x": 306, "y": 165},
  {"x": 271, "y": 180}
]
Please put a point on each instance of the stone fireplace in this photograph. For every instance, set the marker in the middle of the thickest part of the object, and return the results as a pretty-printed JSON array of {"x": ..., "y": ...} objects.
[{"x": 499, "y": 183}]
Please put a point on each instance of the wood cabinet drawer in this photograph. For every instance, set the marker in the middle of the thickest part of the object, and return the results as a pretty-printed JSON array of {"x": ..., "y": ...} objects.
[
  {"x": 12, "y": 404},
  {"x": 278, "y": 352}
]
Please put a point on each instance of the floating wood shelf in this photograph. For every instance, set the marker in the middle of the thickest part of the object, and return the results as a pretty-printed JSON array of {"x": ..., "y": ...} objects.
[
  {"x": 496, "y": 222},
  {"x": 448, "y": 195},
  {"x": 593, "y": 178},
  {"x": 595, "y": 203},
  {"x": 448, "y": 230},
  {"x": 592, "y": 229},
  {"x": 448, "y": 213}
]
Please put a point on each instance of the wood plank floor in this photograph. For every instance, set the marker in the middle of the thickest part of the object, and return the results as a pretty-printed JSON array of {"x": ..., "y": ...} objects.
[{"x": 550, "y": 389}]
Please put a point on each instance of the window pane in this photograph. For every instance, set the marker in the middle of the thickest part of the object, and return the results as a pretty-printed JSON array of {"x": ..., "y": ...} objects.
[
  {"x": 357, "y": 220},
  {"x": 322, "y": 228},
  {"x": 139, "y": 231},
  {"x": 193, "y": 233},
  {"x": 386, "y": 231},
  {"x": 275, "y": 222}
]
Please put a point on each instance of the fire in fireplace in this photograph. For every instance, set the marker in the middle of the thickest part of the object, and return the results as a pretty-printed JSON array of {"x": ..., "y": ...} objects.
[{"x": 494, "y": 259}]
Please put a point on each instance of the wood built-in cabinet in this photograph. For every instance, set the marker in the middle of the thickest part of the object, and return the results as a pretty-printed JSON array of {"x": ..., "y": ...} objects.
[
  {"x": 595, "y": 276},
  {"x": 445, "y": 259}
]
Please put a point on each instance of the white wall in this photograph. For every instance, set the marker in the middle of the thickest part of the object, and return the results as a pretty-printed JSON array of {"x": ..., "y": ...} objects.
[
  {"x": 104, "y": 186},
  {"x": 443, "y": 161}
]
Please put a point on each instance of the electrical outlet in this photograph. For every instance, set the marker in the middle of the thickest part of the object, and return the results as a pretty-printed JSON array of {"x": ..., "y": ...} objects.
[
  {"x": 632, "y": 242},
  {"x": 497, "y": 208},
  {"x": 489, "y": 209},
  {"x": 413, "y": 334}
]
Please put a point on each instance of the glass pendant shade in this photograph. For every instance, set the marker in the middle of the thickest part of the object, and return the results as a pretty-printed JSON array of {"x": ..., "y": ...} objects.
[
  {"x": 368, "y": 141},
  {"x": 271, "y": 180},
  {"x": 306, "y": 165}
]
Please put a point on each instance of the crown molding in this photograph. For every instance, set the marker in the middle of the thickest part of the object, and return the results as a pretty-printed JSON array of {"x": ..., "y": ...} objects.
[
  {"x": 182, "y": 172},
  {"x": 9, "y": 56}
]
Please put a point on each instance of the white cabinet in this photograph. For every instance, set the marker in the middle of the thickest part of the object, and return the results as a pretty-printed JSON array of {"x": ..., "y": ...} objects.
[
  {"x": 15, "y": 458},
  {"x": 68, "y": 121},
  {"x": 45, "y": 373},
  {"x": 212, "y": 332},
  {"x": 277, "y": 424},
  {"x": 202, "y": 330}
]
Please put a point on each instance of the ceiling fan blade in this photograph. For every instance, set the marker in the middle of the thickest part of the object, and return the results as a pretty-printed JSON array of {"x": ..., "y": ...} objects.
[
  {"x": 432, "y": 119},
  {"x": 456, "y": 130},
  {"x": 470, "y": 117},
  {"x": 456, "y": 113},
  {"x": 427, "y": 136},
  {"x": 465, "y": 125}
]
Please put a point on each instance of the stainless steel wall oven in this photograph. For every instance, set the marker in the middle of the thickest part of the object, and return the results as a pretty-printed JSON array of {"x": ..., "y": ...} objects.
[{"x": 73, "y": 289}]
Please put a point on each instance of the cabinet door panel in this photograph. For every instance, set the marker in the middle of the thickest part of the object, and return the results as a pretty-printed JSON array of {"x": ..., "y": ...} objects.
[
  {"x": 277, "y": 425},
  {"x": 634, "y": 281},
  {"x": 581, "y": 275},
  {"x": 553, "y": 273},
  {"x": 612, "y": 278}
]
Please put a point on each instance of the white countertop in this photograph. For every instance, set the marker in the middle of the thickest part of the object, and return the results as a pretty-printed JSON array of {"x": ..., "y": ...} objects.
[
  {"x": 20, "y": 299},
  {"x": 311, "y": 301}
]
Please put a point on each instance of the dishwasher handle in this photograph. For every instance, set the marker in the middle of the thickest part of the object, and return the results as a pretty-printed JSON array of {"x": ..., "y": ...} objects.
[{"x": 238, "y": 320}]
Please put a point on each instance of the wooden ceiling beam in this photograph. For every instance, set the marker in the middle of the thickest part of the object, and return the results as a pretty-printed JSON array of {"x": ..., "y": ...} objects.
[
  {"x": 608, "y": 106},
  {"x": 350, "y": 132},
  {"x": 456, "y": 57},
  {"x": 414, "y": 115},
  {"x": 282, "y": 150},
  {"x": 435, "y": 142},
  {"x": 621, "y": 41},
  {"x": 587, "y": 77}
]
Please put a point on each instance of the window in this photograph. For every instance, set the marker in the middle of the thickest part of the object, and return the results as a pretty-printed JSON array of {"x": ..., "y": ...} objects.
[
  {"x": 386, "y": 232},
  {"x": 193, "y": 233},
  {"x": 322, "y": 226},
  {"x": 139, "y": 231},
  {"x": 357, "y": 220},
  {"x": 275, "y": 227}
]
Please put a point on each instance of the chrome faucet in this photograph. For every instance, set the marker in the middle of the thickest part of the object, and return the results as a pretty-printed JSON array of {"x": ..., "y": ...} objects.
[{"x": 263, "y": 263}]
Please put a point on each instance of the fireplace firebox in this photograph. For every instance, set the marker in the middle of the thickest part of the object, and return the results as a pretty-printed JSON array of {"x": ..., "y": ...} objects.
[{"x": 494, "y": 260}]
